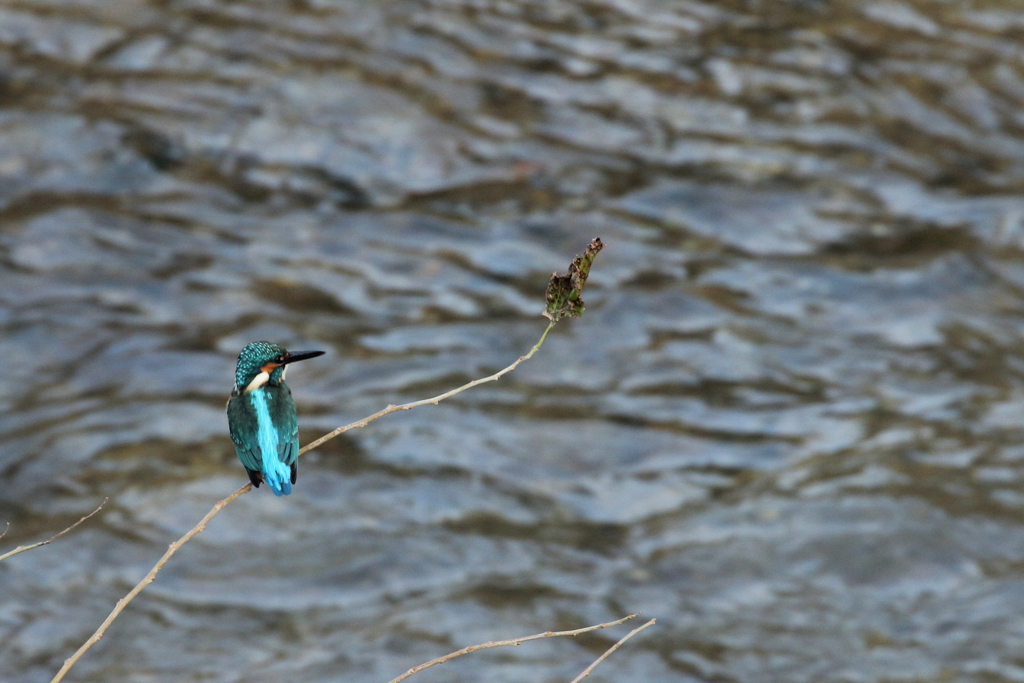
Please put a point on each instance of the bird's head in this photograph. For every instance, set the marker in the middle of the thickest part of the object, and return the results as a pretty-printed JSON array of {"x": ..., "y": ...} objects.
[{"x": 262, "y": 362}]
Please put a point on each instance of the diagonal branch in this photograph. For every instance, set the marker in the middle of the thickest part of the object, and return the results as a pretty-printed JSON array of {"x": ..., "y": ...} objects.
[
  {"x": 429, "y": 401},
  {"x": 525, "y": 639},
  {"x": 613, "y": 648},
  {"x": 173, "y": 548},
  {"x": 51, "y": 539},
  {"x": 563, "y": 298},
  {"x": 146, "y": 580}
]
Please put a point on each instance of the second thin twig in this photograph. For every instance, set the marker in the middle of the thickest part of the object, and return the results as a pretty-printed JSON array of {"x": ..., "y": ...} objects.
[{"x": 517, "y": 641}]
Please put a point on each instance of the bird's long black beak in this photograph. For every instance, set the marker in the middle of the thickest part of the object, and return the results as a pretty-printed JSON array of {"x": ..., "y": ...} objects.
[{"x": 301, "y": 355}]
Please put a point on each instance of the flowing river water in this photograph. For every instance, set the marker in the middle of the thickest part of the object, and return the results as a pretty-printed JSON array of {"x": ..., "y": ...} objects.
[{"x": 790, "y": 425}]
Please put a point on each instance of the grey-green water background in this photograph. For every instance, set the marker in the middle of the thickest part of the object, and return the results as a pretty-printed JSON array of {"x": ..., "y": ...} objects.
[{"x": 789, "y": 425}]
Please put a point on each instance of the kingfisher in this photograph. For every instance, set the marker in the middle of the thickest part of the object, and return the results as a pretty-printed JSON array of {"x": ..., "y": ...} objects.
[{"x": 262, "y": 417}]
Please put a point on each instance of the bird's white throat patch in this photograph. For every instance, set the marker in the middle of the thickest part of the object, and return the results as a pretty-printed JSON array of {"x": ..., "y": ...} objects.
[{"x": 257, "y": 382}]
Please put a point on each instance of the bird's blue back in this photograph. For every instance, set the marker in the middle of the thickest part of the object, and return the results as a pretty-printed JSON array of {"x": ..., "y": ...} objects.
[{"x": 265, "y": 430}]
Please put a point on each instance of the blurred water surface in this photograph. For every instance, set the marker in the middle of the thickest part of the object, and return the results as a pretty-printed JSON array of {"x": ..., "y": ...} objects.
[{"x": 789, "y": 425}]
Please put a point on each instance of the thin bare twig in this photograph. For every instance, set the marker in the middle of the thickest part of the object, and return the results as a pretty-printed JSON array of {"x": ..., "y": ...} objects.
[
  {"x": 173, "y": 548},
  {"x": 513, "y": 641},
  {"x": 429, "y": 401},
  {"x": 613, "y": 648},
  {"x": 51, "y": 539},
  {"x": 6, "y": 529},
  {"x": 148, "y": 579}
]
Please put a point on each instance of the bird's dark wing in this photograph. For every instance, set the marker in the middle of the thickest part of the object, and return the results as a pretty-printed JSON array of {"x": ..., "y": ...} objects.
[
  {"x": 243, "y": 427},
  {"x": 287, "y": 422}
]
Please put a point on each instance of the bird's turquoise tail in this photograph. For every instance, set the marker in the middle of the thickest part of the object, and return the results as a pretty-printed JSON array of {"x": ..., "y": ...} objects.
[{"x": 278, "y": 478}]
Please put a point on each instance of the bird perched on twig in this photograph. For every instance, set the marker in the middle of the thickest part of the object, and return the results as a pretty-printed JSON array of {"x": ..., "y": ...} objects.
[{"x": 262, "y": 417}]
